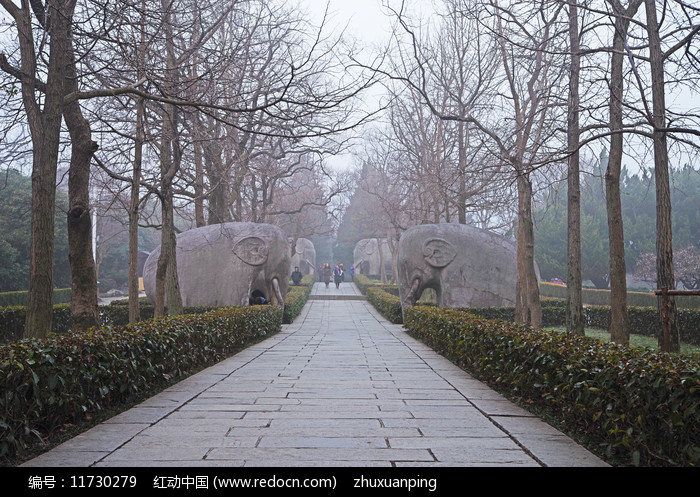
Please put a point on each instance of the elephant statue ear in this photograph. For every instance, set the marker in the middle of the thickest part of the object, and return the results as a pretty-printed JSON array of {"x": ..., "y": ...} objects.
[
  {"x": 251, "y": 250},
  {"x": 438, "y": 252}
]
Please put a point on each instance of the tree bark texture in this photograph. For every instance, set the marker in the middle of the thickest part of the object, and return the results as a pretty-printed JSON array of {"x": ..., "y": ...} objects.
[
  {"x": 619, "y": 319},
  {"x": 528, "y": 308},
  {"x": 574, "y": 301},
  {"x": 664, "y": 239},
  {"x": 134, "y": 205},
  {"x": 45, "y": 127},
  {"x": 167, "y": 285},
  {"x": 84, "y": 313}
]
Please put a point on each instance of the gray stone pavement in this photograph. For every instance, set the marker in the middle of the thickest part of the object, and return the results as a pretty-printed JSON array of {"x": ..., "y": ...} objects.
[{"x": 340, "y": 386}]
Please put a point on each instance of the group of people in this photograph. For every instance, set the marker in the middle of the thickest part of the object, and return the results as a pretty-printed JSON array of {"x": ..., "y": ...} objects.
[
  {"x": 337, "y": 274},
  {"x": 325, "y": 275}
]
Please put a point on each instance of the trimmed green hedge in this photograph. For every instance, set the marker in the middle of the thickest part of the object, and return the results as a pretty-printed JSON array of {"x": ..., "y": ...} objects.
[
  {"x": 12, "y": 318},
  {"x": 45, "y": 387},
  {"x": 387, "y": 304},
  {"x": 296, "y": 298},
  {"x": 362, "y": 282},
  {"x": 646, "y": 321},
  {"x": 48, "y": 383},
  {"x": 643, "y": 320},
  {"x": 642, "y": 407},
  {"x": 60, "y": 296}
]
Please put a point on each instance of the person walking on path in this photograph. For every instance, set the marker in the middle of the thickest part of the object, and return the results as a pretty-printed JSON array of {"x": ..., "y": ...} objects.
[
  {"x": 327, "y": 274},
  {"x": 337, "y": 276},
  {"x": 352, "y": 272}
]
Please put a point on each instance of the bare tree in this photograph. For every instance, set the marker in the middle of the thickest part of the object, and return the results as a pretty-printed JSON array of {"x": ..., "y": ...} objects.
[
  {"x": 574, "y": 322},
  {"x": 619, "y": 321},
  {"x": 83, "y": 307},
  {"x": 43, "y": 104},
  {"x": 658, "y": 120}
]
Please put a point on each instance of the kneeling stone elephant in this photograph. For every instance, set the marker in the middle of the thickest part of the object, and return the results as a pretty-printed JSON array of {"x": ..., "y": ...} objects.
[
  {"x": 224, "y": 264},
  {"x": 466, "y": 266}
]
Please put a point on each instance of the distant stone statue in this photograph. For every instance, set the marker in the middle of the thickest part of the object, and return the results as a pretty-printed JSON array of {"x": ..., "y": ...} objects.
[
  {"x": 304, "y": 256},
  {"x": 466, "y": 266},
  {"x": 227, "y": 265},
  {"x": 367, "y": 258}
]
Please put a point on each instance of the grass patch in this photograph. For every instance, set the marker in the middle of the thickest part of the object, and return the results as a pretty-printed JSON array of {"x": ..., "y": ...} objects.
[{"x": 640, "y": 341}]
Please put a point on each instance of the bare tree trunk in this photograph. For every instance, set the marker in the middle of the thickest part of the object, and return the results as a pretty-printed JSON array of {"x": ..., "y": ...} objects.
[
  {"x": 40, "y": 305},
  {"x": 619, "y": 319},
  {"x": 218, "y": 196},
  {"x": 83, "y": 311},
  {"x": 135, "y": 194},
  {"x": 393, "y": 249},
  {"x": 463, "y": 143},
  {"x": 200, "y": 220},
  {"x": 527, "y": 305},
  {"x": 167, "y": 286},
  {"x": 664, "y": 237},
  {"x": 134, "y": 203},
  {"x": 574, "y": 300}
]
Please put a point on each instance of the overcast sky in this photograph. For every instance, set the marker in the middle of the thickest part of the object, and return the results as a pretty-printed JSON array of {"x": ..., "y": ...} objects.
[{"x": 365, "y": 19}]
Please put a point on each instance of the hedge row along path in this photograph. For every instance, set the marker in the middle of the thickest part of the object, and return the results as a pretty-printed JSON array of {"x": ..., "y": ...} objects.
[{"x": 340, "y": 386}]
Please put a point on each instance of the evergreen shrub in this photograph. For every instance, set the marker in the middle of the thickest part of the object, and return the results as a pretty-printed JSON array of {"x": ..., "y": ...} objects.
[
  {"x": 296, "y": 297},
  {"x": 387, "y": 304}
]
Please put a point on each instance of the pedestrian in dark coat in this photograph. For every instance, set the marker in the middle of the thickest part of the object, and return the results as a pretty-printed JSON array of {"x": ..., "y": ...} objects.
[
  {"x": 337, "y": 276},
  {"x": 327, "y": 274},
  {"x": 297, "y": 276}
]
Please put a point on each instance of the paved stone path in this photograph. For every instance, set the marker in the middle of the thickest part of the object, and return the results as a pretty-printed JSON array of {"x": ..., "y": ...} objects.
[{"x": 340, "y": 386}]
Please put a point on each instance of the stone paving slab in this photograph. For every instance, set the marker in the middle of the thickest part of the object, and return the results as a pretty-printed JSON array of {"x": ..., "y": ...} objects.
[{"x": 338, "y": 387}]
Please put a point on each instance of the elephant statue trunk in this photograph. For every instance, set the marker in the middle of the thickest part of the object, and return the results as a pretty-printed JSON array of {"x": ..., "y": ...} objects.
[{"x": 412, "y": 295}]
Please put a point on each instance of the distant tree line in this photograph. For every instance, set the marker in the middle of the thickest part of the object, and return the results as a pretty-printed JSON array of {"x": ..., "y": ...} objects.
[
  {"x": 638, "y": 213},
  {"x": 15, "y": 225}
]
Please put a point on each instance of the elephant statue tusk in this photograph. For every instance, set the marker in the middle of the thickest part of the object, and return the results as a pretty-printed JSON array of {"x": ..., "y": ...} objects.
[{"x": 278, "y": 292}]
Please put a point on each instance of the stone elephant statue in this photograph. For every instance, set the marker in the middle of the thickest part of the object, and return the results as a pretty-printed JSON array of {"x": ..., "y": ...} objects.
[
  {"x": 466, "y": 266},
  {"x": 304, "y": 256},
  {"x": 228, "y": 264},
  {"x": 367, "y": 259}
]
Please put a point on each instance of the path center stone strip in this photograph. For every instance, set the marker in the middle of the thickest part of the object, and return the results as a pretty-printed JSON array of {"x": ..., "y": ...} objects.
[{"x": 340, "y": 386}]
